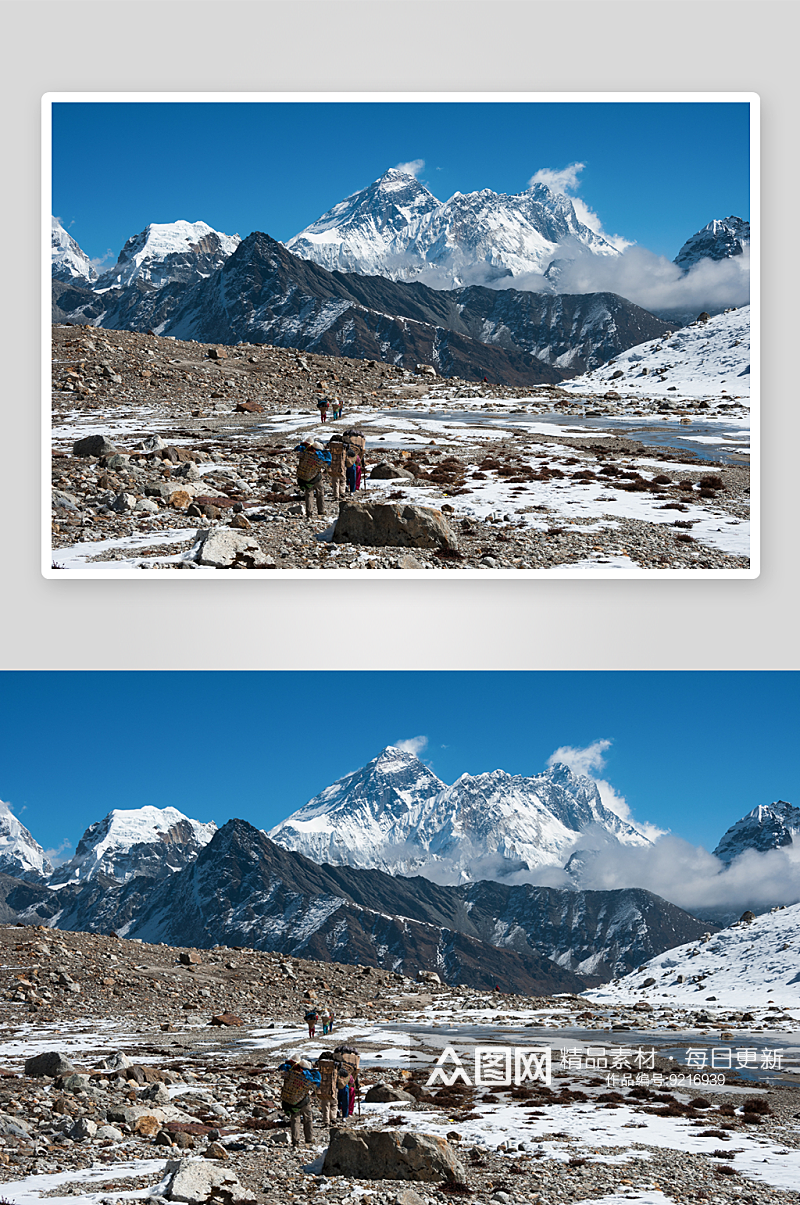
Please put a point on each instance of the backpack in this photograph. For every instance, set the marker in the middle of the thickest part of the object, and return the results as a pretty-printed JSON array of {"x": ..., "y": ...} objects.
[
  {"x": 311, "y": 1015},
  {"x": 322, "y": 404},
  {"x": 308, "y": 466}
]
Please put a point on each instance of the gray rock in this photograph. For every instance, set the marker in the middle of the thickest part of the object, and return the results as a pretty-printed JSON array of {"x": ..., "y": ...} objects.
[
  {"x": 407, "y": 1196},
  {"x": 147, "y": 506},
  {"x": 123, "y": 502},
  {"x": 65, "y": 501},
  {"x": 187, "y": 471},
  {"x": 156, "y": 1092},
  {"x": 382, "y": 1093},
  {"x": 428, "y": 977},
  {"x": 108, "y": 1134},
  {"x": 154, "y": 444},
  {"x": 93, "y": 445},
  {"x": 397, "y": 524},
  {"x": 118, "y": 461},
  {"x": 224, "y": 548},
  {"x": 13, "y": 1127},
  {"x": 389, "y": 472},
  {"x": 409, "y": 562},
  {"x": 51, "y": 1063},
  {"x": 76, "y": 1083},
  {"x": 84, "y": 1127},
  {"x": 390, "y": 1155},
  {"x": 194, "y": 1180}
]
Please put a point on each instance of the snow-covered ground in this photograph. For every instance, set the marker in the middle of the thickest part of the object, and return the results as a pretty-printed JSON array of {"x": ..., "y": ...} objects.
[
  {"x": 751, "y": 963},
  {"x": 703, "y": 361}
]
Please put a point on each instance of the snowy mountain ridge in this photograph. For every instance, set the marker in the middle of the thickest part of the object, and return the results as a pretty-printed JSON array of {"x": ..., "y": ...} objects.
[
  {"x": 166, "y": 252},
  {"x": 70, "y": 263},
  {"x": 148, "y": 841},
  {"x": 768, "y": 826},
  {"x": 21, "y": 856},
  {"x": 720, "y": 239},
  {"x": 395, "y": 815},
  {"x": 708, "y": 359},
  {"x": 396, "y": 228},
  {"x": 752, "y": 962}
]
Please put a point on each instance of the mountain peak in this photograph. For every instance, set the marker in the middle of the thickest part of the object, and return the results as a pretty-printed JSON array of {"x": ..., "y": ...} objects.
[
  {"x": 767, "y": 826},
  {"x": 21, "y": 856}
]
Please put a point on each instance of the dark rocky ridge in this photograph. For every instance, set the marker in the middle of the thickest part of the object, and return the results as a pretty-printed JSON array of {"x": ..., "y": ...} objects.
[
  {"x": 264, "y": 293},
  {"x": 244, "y": 890}
]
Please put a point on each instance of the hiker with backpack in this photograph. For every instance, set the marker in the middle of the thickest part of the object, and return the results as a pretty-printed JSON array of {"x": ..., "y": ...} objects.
[
  {"x": 310, "y": 1019},
  {"x": 310, "y": 465},
  {"x": 338, "y": 451},
  {"x": 322, "y": 406},
  {"x": 299, "y": 1078},
  {"x": 328, "y": 1066},
  {"x": 355, "y": 458}
]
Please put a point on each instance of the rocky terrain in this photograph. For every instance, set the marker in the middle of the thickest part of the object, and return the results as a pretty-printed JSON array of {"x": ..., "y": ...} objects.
[
  {"x": 193, "y": 439},
  {"x": 136, "y": 1071}
]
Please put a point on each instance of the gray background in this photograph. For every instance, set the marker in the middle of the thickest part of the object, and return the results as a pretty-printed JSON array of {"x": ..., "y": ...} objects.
[{"x": 404, "y": 46}]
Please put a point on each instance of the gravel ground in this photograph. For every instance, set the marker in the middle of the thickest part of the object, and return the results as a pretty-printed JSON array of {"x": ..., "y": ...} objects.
[
  {"x": 223, "y": 464},
  {"x": 214, "y": 1089}
]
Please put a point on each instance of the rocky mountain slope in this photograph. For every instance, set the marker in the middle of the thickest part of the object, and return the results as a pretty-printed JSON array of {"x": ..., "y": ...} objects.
[
  {"x": 396, "y": 815},
  {"x": 396, "y": 228},
  {"x": 263, "y": 293},
  {"x": 708, "y": 359},
  {"x": 149, "y": 841},
  {"x": 21, "y": 855},
  {"x": 242, "y": 889},
  {"x": 720, "y": 239},
  {"x": 768, "y": 826}
]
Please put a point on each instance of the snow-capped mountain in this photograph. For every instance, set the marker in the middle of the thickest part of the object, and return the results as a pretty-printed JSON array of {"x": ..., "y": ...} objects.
[
  {"x": 720, "y": 239},
  {"x": 709, "y": 359},
  {"x": 751, "y": 963},
  {"x": 164, "y": 253},
  {"x": 396, "y": 228},
  {"x": 70, "y": 263},
  {"x": 148, "y": 841},
  {"x": 396, "y": 815},
  {"x": 766, "y": 827},
  {"x": 21, "y": 856}
]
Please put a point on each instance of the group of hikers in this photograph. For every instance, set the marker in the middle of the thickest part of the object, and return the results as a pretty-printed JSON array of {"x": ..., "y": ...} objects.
[
  {"x": 312, "y": 1015},
  {"x": 344, "y": 458},
  {"x": 333, "y": 1077},
  {"x": 335, "y": 404}
]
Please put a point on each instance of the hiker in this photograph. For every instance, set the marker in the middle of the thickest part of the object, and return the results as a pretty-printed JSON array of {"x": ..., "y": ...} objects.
[
  {"x": 344, "y": 1082},
  {"x": 310, "y": 464},
  {"x": 355, "y": 458},
  {"x": 310, "y": 1019},
  {"x": 330, "y": 1021},
  {"x": 322, "y": 406},
  {"x": 328, "y": 1071},
  {"x": 338, "y": 480},
  {"x": 298, "y": 1080},
  {"x": 325, "y": 1017}
]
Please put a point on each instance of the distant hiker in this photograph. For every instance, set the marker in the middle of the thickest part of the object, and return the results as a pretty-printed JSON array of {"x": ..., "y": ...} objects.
[
  {"x": 310, "y": 1019},
  {"x": 330, "y": 1021},
  {"x": 338, "y": 451},
  {"x": 328, "y": 1071},
  {"x": 336, "y": 408},
  {"x": 322, "y": 406},
  {"x": 325, "y": 1017},
  {"x": 310, "y": 464},
  {"x": 348, "y": 1082},
  {"x": 298, "y": 1080}
]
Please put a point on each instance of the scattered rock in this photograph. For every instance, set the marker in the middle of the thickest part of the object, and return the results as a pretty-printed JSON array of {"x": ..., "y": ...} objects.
[
  {"x": 395, "y": 524},
  {"x": 390, "y": 1155},
  {"x": 223, "y": 548},
  {"x": 383, "y": 1093},
  {"x": 193, "y": 1181},
  {"x": 51, "y": 1063},
  {"x": 93, "y": 445}
]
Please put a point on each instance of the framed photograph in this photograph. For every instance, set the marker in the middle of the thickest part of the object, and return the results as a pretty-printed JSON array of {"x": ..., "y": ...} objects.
[{"x": 428, "y": 335}]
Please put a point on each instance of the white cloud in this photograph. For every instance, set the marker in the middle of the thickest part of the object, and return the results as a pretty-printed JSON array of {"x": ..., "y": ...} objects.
[
  {"x": 412, "y": 168},
  {"x": 412, "y": 744},
  {"x": 60, "y": 855},
  {"x": 563, "y": 181},
  {"x": 652, "y": 281}
]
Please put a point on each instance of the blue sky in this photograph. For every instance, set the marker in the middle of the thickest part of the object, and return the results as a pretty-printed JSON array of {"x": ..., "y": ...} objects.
[
  {"x": 690, "y": 752},
  {"x": 652, "y": 172}
]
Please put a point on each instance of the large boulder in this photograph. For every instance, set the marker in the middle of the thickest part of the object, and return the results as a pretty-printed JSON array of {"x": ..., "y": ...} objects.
[
  {"x": 51, "y": 1063},
  {"x": 390, "y": 1155},
  {"x": 94, "y": 445},
  {"x": 381, "y": 1094},
  {"x": 390, "y": 472},
  {"x": 193, "y": 1181},
  {"x": 223, "y": 548},
  {"x": 398, "y": 524}
]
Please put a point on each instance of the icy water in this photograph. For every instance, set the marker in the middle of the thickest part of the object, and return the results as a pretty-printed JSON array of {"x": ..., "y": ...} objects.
[
  {"x": 673, "y": 1045},
  {"x": 721, "y": 441}
]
